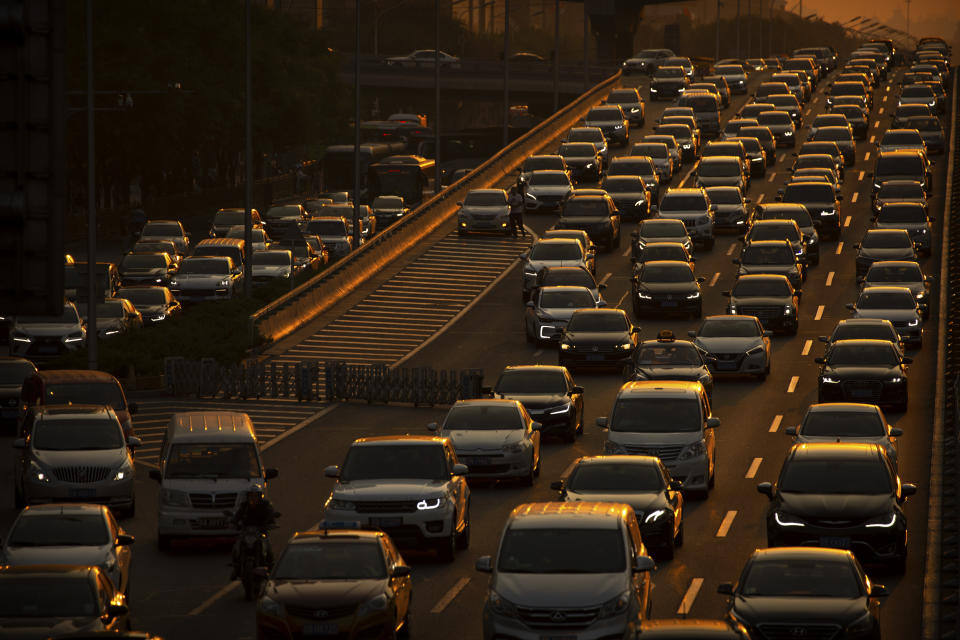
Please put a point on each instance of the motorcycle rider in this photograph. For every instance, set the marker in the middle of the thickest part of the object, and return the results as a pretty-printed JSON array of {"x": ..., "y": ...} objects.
[
  {"x": 516, "y": 202},
  {"x": 256, "y": 512}
]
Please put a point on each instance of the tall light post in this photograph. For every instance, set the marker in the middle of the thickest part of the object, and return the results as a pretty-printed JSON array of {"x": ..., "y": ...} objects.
[
  {"x": 436, "y": 81},
  {"x": 908, "y": 16},
  {"x": 586, "y": 47},
  {"x": 356, "y": 127},
  {"x": 716, "y": 56},
  {"x": 247, "y": 151},
  {"x": 91, "y": 202},
  {"x": 506, "y": 72}
]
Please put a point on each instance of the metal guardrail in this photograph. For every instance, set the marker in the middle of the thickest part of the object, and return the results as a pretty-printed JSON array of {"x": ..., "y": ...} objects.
[
  {"x": 294, "y": 310},
  {"x": 416, "y": 385}
]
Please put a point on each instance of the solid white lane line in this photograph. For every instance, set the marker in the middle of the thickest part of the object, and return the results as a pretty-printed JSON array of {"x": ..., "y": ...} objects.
[
  {"x": 794, "y": 381},
  {"x": 866, "y": 156},
  {"x": 754, "y": 466},
  {"x": 713, "y": 280},
  {"x": 731, "y": 249},
  {"x": 448, "y": 597},
  {"x": 773, "y": 175},
  {"x": 830, "y": 279},
  {"x": 726, "y": 524},
  {"x": 777, "y": 419},
  {"x": 873, "y": 139},
  {"x": 880, "y": 112},
  {"x": 687, "y": 603},
  {"x": 819, "y": 313},
  {"x": 203, "y": 606},
  {"x": 847, "y": 220},
  {"x": 605, "y": 277},
  {"x": 839, "y": 247},
  {"x": 806, "y": 348},
  {"x": 622, "y": 298},
  {"x": 855, "y": 197},
  {"x": 860, "y": 176},
  {"x": 760, "y": 198},
  {"x": 627, "y": 252}
]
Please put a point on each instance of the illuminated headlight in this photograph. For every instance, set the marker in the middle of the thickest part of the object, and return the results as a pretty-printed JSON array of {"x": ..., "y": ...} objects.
[
  {"x": 640, "y": 203},
  {"x": 589, "y": 165},
  {"x": 895, "y": 380},
  {"x": 225, "y": 282},
  {"x": 634, "y": 110},
  {"x": 564, "y": 346},
  {"x": 618, "y": 126},
  {"x": 111, "y": 332},
  {"x": 21, "y": 337},
  {"x": 693, "y": 296},
  {"x": 529, "y": 270},
  {"x": 812, "y": 240},
  {"x": 530, "y": 196},
  {"x": 757, "y": 350},
  {"x": 788, "y": 310},
  {"x": 123, "y": 473},
  {"x": 159, "y": 317},
  {"x": 378, "y": 602},
  {"x": 828, "y": 212},
  {"x": 174, "y": 284},
  {"x": 687, "y": 145},
  {"x": 270, "y": 607},
  {"x": 787, "y": 520},
  {"x": 681, "y": 90},
  {"x": 923, "y": 232},
  {"x": 644, "y": 296},
  {"x": 625, "y": 345},
  {"x": 653, "y": 89},
  {"x": 732, "y": 310},
  {"x": 788, "y": 133},
  {"x": 913, "y": 322},
  {"x": 655, "y": 515},
  {"x": 428, "y": 504},
  {"x": 562, "y": 409},
  {"x": 829, "y": 380},
  {"x": 158, "y": 280},
  {"x": 884, "y": 522},
  {"x": 38, "y": 473},
  {"x": 74, "y": 337}
]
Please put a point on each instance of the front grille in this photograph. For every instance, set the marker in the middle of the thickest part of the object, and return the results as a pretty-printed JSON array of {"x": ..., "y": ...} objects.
[
  {"x": 488, "y": 468},
  {"x": 386, "y": 506},
  {"x": 213, "y": 500},
  {"x": 762, "y": 313},
  {"x": 871, "y": 389},
  {"x": 545, "y": 618},
  {"x": 321, "y": 613},
  {"x": 196, "y": 293},
  {"x": 791, "y": 631},
  {"x": 484, "y": 216},
  {"x": 81, "y": 474},
  {"x": 664, "y": 453}
]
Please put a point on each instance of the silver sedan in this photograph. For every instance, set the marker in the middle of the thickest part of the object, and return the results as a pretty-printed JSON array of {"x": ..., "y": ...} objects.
[{"x": 550, "y": 308}]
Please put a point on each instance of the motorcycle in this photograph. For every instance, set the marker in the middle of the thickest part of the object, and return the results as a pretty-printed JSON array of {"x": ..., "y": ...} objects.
[{"x": 253, "y": 551}]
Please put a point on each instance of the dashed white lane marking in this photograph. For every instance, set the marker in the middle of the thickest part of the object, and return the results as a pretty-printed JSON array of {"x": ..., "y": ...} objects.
[
  {"x": 866, "y": 156},
  {"x": 733, "y": 247},
  {"x": 815, "y": 100},
  {"x": 830, "y": 279},
  {"x": 847, "y": 221},
  {"x": 860, "y": 177},
  {"x": 687, "y": 603},
  {"x": 726, "y": 524},
  {"x": 605, "y": 277},
  {"x": 839, "y": 247},
  {"x": 873, "y": 139},
  {"x": 794, "y": 381},
  {"x": 855, "y": 196},
  {"x": 880, "y": 112},
  {"x": 885, "y": 98},
  {"x": 775, "y": 424},
  {"x": 203, "y": 606},
  {"x": 760, "y": 198},
  {"x": 819, "y": 313},
  {"x": 754, "y": 466},
  {"x": 689, "y": 173},
  {"x": 806, "y": 348},
  {"x": 876, "y": 125},
  {"x": 806, "y": 112},
  {"x": 448, "y": 597},
  {"x": 773, "y": 175},
  {"x": 627, "y": 252},
  {"x": 713, "y": 280},
  {"x": 622, "y": 298},
  {"x": 888, "y": 87},
  {"x": 783, "y": 157}
]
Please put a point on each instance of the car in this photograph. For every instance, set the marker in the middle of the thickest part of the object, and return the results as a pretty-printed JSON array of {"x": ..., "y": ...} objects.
[
  {"x": 768, "y": 142},
  {"x": 628, "y": 99},
  {"x": 612, "y": 120},
  {"x": 931, "y": 132},
  {"x": 668, "y": 419},
  {"x": 734, "y": 344},
  {"x": 575, "y": 234},
  {"x": 857, "y": 119},
  {"x": 795, "y": 85},
  {"x": 549, "y": 395},
  {"x": 691, "y": 206},
  {"x": 154, "y": 304},
  {"x": 666, "y": 358},
  {"x": 570, "y": 276},
  {"x": 666, "y": 286},
  {"x": 721, "y": 171},
  {"x": 595, "y": 214},
  {"x": 822, "y": 203},
  {"x": 645, "y": 61},
  {"x": 547, "y": 190},
  {"x": 768, "y": 297},
  {"x": 735, "y": 75},
  {"x": 157, "y": 246},
  {"x": 640, "y": 481},
  {"x": 779, "y": 229},
  {"x": 833, "y": 119},
  {"x": 542, "y": 163},
  {"x": 899, "y": 191},
  {"x": 362, "y": 213},
  {"x": 553, "y": 252},
  {"x": 308, "y": 257},
  {"x": 638, "y": 167},
  {"x": 270, "y": 265},
  {"x": 115, "y": 316},
  {"x": 74, "y": 452},
  {"x": 664, "y": 251},
  {"x": 659, "y": 153},
  {"x": 668, "y": 82},
  {"x": 388, "y": 209},
  {"x": 722, "y": 87},
  {"x": 861, "y": 370},
  {"x": 706, "y": 107},
  {"x": 902, "y": 140},
  {"x": 70, "y": 534},
  {"x": 781, "y": 126},
  {"x": 772, "y": 257},
  {"x": 776, "y": 587},
  {"x": 756, "y": 165},
  {"x": 630, "y": 196},
  {"x": 284, "y": 220},
  {"x": 752, "y": 110},
  {"x": 901, "y": 273},
  {"x": 549, "y": 309},
  {"x": 336, "y": 580},
  {"x": 41, "y": 600},
  {"x": 847, "y": 422},
  {"x": 883, "y": 244},
  {"x": 593, "y": 135},
  {"x": 672, "y": 146},
  {"x": 918, "y": 94},
  {"x": 171, "y": 230},
  {"x": 843, "y": 495},
  {"x": 235, "y": 217},
  {"x": 826, "y": 160},
  {"x": 13, "y": 371},
  {"x": 767, "y": 89},
  {"x": 659, "y": 230},
  {"x": 314, "y": 206},
  {"x": 597, "y": 338},
  {"x": 903, "y": 112},
  {"x": 798, "y": 214},
  {"x": 484, "y": 210},
  {"x": 728, "y": 148},
  {"x": 206, "y": 278},
  {"x": 46, "y": 337},
  {"x": 685, "y": 136},
  {"x": 583, "y": 160},
  {"x": 146, "y": 268},
  {"x": 411, "y": 487},
  {"x": 424, "y": 59},
  {"x": 843, "y": 136},
  {"x": 333, "y": 231},
  {"x": 849, "y": 89},
  {"x": 788, "y": 103},
  {"x": 260, "y": 240},
  {"x": 896, "y": 304},
  {"x": 902, "y": 165},
  {"x": 909, "y": 216}
]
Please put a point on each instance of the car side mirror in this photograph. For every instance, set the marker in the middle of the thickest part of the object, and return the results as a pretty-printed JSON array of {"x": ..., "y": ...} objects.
[
  {"x": 156, "y": 475},
  {"x": 433, "y": 426},
  {"x": 878, "y": 591},
  {"x": 908, "y": 489},
  {"x": 132, "y": 408},
  {"x": 536, "y": 426},
  {"x": 400, "y": 571},
  {"x": 485, "y": 564},
  {"x": 557, "y": 485},
  {"x": 790, "y": 431},
  {"x": 114, "y": 610},
  {"x": 906, "y": 360},
  {"x": 642, "y": 564},
  {"x": 766, "y": 488},
  {"x": 713, "y": 422},
  {"x": 133, "y": 442},
  {"x": 576, "y": 389},
  {"x": 124, "y": 540},
  {"x": 725, "y": 588},
  {"x": 820, "y": 360},
  {"x": 460, "y": 469},
  {"x": 602, "y": 422},
  {"x": 850, "y": 306},
  {"x": 896, "y": 432},
  {"x": 333, "y": 471},
  {"x": 270, "y": 473},
  {"x": 691, "y": 334}
]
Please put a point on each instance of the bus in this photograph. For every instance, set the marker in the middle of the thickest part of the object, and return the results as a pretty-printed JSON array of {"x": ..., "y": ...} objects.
[
  {"x": 404, "y": 176},
  {"x": 337, "y": 164}
]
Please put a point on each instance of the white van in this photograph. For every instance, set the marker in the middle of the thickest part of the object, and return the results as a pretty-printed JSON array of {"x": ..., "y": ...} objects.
[{"x": 209, "y": 460}]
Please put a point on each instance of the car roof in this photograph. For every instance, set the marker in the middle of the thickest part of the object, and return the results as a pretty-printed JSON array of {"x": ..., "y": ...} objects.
[
  {"x": 488, "y": 402},
  {"x": 53, "y": 571},
  {"x": 835, "y": 450},
  {"x": 562, "y": 288},
  {"x": 765, "y": 276},
  {"x": 843, "y": 407},
  {"x": 317, "y": 535},
  {"x": 900, "y": 290},
  {"x": 639, "y": 460},
  {"x": 676, "y": 264},
  {"x": 569, "y": 515},
  {"x": 67, "y": 508},
  {"x": 558, "y": 241},
  {"x": 688, "y": 629},
  {"x": 399, "y": 440},
  {"x": 536, "y": 367},
  {"x": 201, "y": 425},
  {"x": 605, "y": 312},
  {"x": 660, "y": 388},
  {"x": 802, "y": 553},
  {"x": 895, "y": 263},
  {"x": 72, "y": 411}
]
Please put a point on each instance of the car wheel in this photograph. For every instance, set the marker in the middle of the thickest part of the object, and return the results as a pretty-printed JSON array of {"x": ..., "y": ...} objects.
[
  {"x": 463, "y": 538},
  {"x": 667, "y": 550},
  {"x": 18, "y": 500},
  {"x": 528, "y": 478},
  {"x": 446, "y": 547},
  {"x": 678, "y": 539}
]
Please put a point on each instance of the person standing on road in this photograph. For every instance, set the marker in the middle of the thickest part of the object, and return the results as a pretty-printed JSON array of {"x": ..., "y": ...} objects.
[{"x": 516, "y": 203}]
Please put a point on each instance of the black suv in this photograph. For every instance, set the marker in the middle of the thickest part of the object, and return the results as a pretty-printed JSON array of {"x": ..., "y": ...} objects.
[
  {"x": 770, "y": 298},
  {"x": 822, "y": 202},
  {"x": 595, "y": 214}
]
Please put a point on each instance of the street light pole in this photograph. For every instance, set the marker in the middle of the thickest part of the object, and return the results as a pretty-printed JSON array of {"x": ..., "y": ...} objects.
[
  {"x": 716, "y": 56},
  {"x": 556, "y": 55},
  {"x": 91, "y": 203},
  {"x": 586, "y": 50},
  {"x": 738, "y": 29},
  {"x": 247, "y": 151},
  {"x": 436, "y": 81},
  {"x": 356, "y": 128},
  {"x": 506, "y": 72}
]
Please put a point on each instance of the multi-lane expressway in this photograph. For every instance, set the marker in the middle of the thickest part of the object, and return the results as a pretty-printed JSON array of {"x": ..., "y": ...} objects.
[{"x": 185, "y": 594}]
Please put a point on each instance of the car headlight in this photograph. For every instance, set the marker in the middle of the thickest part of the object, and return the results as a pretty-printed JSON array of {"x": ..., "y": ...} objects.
[
  {"x": 378, "y": 602},
  {"x": 429, "y": 504},
  {"x": 686, "y": 145},
  {"x": 174, "y": 498},
  {"x": 885, "y": 521},
  {"x": 812, "y": 240},
  {"x": 513, "y": 447},
  {"x": 110, "y": 332},
  {"x": 829, "y": 380},
  {"x": 895, "y": 380},
  {"x": 530, "y": 196},
  {"x": 653, "y": 89},
  {"x": 614, "y": 447},
  {"x": 501, "y": 605},
  {"x": 788, "y": 133},
  {"x": 73, "y": 337},
  {"x": 694, "y": 450},
  {"x": 16, "y": 336},
  {"x": 561, "y": 409},
  {"x": 174, "y": 284},
  {"x": 644, "y": 296},
  {"x": 639, "y": 203},
  {"x": 653, "y": 516},
  {"x": 124, "y": 472},
  {"x": 693, "y": 296},
  {"x": 616, "y": 605},
  {"x": 625, "y": 345},
  {"x": 913, "y": 322},
  {"x": 755, "y": 350},
  {"x": 923, "y": 232},
  {"x": 565, "y": 345},
  {"x": 589, "y": 165},
  {"x": 159, "y": 317},
  {"x": 337, "y": 503},
  {"x": 787, "y": 520},
  {"x": 225, "y": 282},
  {"x": 634, "y": 110},
  {"x": 732, "y": 309},
  {"x": 788, "y": 310},
  {"x": 862, "y": 624},
  {"x": 39, "y": 473},
  {"x": 270, "y": 607}
]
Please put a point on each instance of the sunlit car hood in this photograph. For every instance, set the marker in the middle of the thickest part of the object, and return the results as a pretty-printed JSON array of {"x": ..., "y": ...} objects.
[
  {"x": 200, "y": 280},
  {"x": 106, "y": 458},
  {"x": 73, "y": 554},
  {"x": 558, "y": 589},
  {"x": 535, "y": 401},
  {"x": 44, "y": 329},
  {"x": 464, "y": 439},
  {"x": 393, "y": 489},
  {"x": 640, "y": 501},
  {"x": 669, "y": 372},
  {"x": 271, "y": 270},
  {"x": 43, "y": 628},
  {"x": 841, "y": 506},
  {"x": 318, "y": 594},
  {"x": 728, "y": 344},
  {"x": 808, "y": 610},
  {"x": 761, "y": 301},
  {"x": 583, "y": 338},
  {"x": 887, "y": 314},
  {"x": 498, "y": 209},
  {"x": 562, "y": 313}
]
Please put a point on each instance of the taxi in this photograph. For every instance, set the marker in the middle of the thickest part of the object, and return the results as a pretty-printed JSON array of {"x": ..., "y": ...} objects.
[{"x": 338, "y": 581}]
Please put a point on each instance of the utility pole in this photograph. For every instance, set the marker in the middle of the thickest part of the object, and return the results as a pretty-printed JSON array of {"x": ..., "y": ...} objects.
[
  {"x": 356, "y": 127},
  {"x": 247, "y": 152},
  {"x": 586, "y": 48},
  {"x": 506, "y": 72},
  {"x": 716, "y": 56},
  {"x": 556, "y": 55},
  {"x": 908, "y": 16},
  {"x": 91, "y": 203},
  {"x": 436, "y": 82},
  {"x": 749, "y": 29},
  {"x": 738, "y": 29}
]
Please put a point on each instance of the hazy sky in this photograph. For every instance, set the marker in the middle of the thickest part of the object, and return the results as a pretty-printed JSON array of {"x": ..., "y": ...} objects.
[{"x": 927, "y": 17}]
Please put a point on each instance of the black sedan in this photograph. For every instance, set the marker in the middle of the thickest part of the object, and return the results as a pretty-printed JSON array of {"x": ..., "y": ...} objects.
[
  {"x": 548, "y": 394},
  {"x": 804, "y": 593},
  {"x": 666, "y": 287},
  {"x": 864, "y": 371},
  {"x": 640, "y": 481},
  {"x": 583, "y": 160},
  {"x": 598, "y": 338},
  {"x": 771, "y": 298},
  {"x": 845, "y": 496},
  {"x": 13, "y": 371},
  {"x": 667, "y": 358}
]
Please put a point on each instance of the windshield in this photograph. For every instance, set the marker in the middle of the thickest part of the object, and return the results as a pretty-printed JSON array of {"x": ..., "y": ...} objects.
[
  {"x": 543, "y": 251},
  {"x": 623, "y": 96},
  {"x": 257, "y": 235},
  {"x": 865, "y": 331},
  {"x": 47, "y": 597},
  {"x": 657, "y": 415},
  {"x": 485, "y": 199},
  {"x": 540, "y": 178},
  {"x": 229, "y": 218},
  {"x": 578, "y": 150},
  {"x": 843, "y": 424},
  {"x": 586, "y": 135},
  {"x": 669, "y": 353},
  {"x": 678, "y": 131},
  {"x": 287, "y": 211},
  {"x": 881, "y": 354},
  {"x": 613, "y": 477},
  {"x": 78, "y": 434},
  {"x": 683, "y": 202},
  {"x": 851, "y": 112},
  {"x": 387, "y": 202},
  {"x": 109, "y": 309},
  {"x": 161, "y": 229},
  {"x": 734, "y": 328},
  {"x": 902, "y": 138},
  {"x": 326, "y": 227},
  {"x": 774, "y": 117},
  {"x": 666, "y": 273},
  {"x": 331, "y": 560},
  {"x": 547, "y": 382},
  {"x": 69, "y": 316},
  {"x": 802, "y": 577},
  {"x": 800, "y": 216},
  {"x": 144, "y": 297},
  {"x": 847, "y": 89},
  {"x": 728, "y": 69},
  {"x": 537, "y": 163},
  {"x": 478, "y": 417},
  {"x": 193, "y": 266},
  {"x": 526, "y": 550},
  {"x": 900, "y": 165},
  {"x": 834, "y": 475},
  {"x": 660, "y": 230},
  {"x": 669, "y": 72},
  {"x": 724, "y": 196},
  {"x": 916, "y": 92},
  {"x": 624, "y": 184},
  {"x": 774, "y": 232},
  {"x": 593, "y": 207},
  {"x": 605, "y": 113},
  {"x": 86, "y": 393},
  {"x": 897, "y": 190},
  {"x": 718, "y": 169},
  {"x": 200, "y": 460},
  {"x": 926, "y": 124},
  {"x": 833, "y": 134},
  {"x": 893, "y": 214},
  {"x": 815, "y": 161},
  {"x": 886, "y": 300},
  {"x": 811, "y": 192},
  {"x": 767, "y": 288},
  {"x": 663, "y": 251},
  {"x": 566, "y": 300},
  {"x": 59, "y": 529},
  {"x": 598, "y": 322},
  {"x": 274, "y": 258},
  {"x": 143, "y": 261},
  {"x": 700, "y": 103},
  {"x": 372, "y": 462},
  {"x": 568, "y": 277},
  {"x": 777, "y": 254},
  {"x": 899, "y": 273}
]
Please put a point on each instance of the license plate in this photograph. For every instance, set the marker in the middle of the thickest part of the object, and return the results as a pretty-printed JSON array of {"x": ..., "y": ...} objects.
[
  {"x": 594, "y": 357},
  {"x": 83, "y": 493},
  {"x": 47, "y": 350},
  {"x": 670, "y": 303},
  {"x": 320, "y": 629},
  {"x": 386, "y": 522},
  {"x": 212, "y": 523},
  {"x": 835, "y": 542},
  {"x": 476, "y": 460},
  {"x": 726, "y": 366},
  {"x": 861, "y": 393}
]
